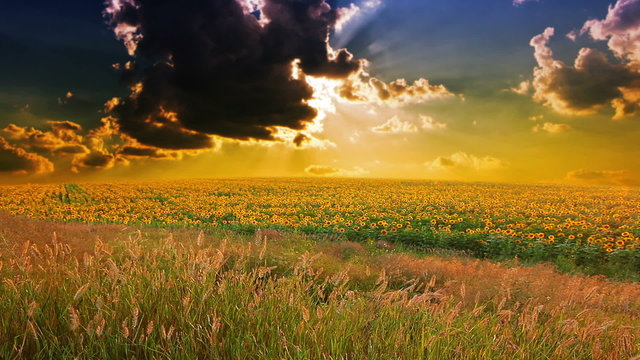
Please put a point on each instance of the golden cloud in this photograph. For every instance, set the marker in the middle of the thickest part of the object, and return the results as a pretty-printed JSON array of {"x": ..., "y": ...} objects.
[
  {"x": 429, "y": 123},
  {"x": 324, "y": 170},
  {"x": 551, "y": 128},
  {"x": 15, "y": 160},
  {"x": 603, "y": 177},
  {"x": 363, "y": 88},
  {"x": 464, "y": 161},
  {"x": 523, "y": 88},
  {"x": 395, "y": 126}
]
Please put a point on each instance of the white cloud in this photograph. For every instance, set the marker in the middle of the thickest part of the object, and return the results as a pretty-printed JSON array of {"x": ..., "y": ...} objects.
[
  {"x": 621, "y": 27},
  {"x": 345, "y": 15},
  {"x": 428, "y": 123},
  {"x": 395, "y": 126},
  {"x": 520, "y": 2}
]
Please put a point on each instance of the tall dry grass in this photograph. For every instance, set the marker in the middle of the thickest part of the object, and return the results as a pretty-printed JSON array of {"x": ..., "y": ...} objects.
[{"x": 119, "y": 293}]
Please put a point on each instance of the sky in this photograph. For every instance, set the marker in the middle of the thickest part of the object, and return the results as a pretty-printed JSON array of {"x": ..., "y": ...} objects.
[{"x": 524, "y": 91}]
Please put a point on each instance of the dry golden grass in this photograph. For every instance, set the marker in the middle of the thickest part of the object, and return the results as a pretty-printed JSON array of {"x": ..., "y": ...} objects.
[{"x": 98, "y": 291}]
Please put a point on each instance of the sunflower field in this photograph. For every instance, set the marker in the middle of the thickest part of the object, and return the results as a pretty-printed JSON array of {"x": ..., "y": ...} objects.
[{"x": 580, "y": 226}]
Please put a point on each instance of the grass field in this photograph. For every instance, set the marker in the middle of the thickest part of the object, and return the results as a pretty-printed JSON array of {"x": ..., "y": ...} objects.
[
  {"x": 592, "y": 230},
  {"x": 74, "y": 291}
]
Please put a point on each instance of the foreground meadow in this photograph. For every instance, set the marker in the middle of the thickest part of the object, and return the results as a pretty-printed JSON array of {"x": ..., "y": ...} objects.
[
  {"x": 595, "y": 230},
  {"x": 72, "y": 291}
]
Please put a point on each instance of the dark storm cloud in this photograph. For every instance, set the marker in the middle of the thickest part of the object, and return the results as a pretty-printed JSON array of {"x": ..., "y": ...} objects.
[{"x": 210, "y": 68}]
